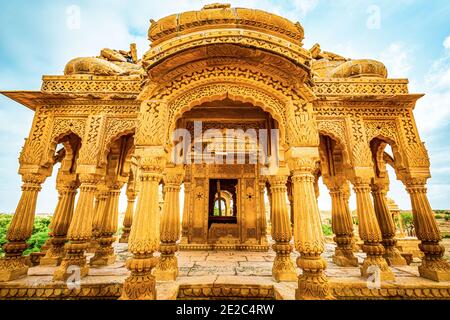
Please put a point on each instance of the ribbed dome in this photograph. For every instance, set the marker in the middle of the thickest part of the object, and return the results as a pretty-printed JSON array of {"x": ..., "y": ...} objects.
[{"x": 223, "y": 16}]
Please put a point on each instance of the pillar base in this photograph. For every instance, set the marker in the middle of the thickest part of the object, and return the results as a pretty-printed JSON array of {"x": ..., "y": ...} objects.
[
  {"x": 139, "y": 287},
  {"x": 51, "y": 261},
  {"x": 394, "y": 258},
  {"x": 313, "y": 287},
  {"x": 102, "y": 261},
  {"x": 283, "y": 269},
  {"x": 374, "y": 265},
  {"x": 54, "y": 254},
  {"x": 13, "y": 268},
  {"x": 69, "y": 269},
  {"x": 435, "y": 270},
  {"x": 73, "y": 263},
  {"x": 123, "y": 239},
  {"x": 104, "y": 255},
  {"x": 343, "y": 259},
  {"x": 167, "y": 269},
  {"x": 93, "y": 246},
  {"x": 141, "y": 284},
  {"x": 125, "y": 235}
]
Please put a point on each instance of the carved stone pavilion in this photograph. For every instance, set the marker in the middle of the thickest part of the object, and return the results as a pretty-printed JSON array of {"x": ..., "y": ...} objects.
[{"x": 109, "y": 122}]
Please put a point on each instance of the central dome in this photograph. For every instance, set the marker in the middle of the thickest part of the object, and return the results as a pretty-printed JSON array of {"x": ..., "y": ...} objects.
[{"x": 223, "y": 16}]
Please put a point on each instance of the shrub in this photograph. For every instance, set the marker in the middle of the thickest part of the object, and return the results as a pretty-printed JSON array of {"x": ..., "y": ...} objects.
[
  {"x": 327, "y": 231},
  {"x": 38, "y": 237},
  {"x": 5, "y": 220},
  {"x": 439, "y": 217},
  {"x": 36, "y": 241}
]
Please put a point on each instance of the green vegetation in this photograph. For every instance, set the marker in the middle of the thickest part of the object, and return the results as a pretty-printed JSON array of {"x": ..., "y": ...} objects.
[
  {"x": 38, "y": 238},
  {"x": 5, "y": 220},
  {"x": 327, "y": 231},
  {"x": 408, "y": 219},
  {"x": 439, "y": 217}
]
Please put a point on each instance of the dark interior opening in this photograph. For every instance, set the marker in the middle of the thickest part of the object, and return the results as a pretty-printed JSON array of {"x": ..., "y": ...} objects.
[{"x": 217, "y": 206}]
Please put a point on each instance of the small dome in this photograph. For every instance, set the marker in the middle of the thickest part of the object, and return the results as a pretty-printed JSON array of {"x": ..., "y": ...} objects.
[
  {"x": 223, "y": 16},
  {"x": 360, "y": 69}
]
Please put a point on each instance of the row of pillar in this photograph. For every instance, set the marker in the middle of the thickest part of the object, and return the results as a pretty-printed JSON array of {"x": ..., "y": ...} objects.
[{"x": 76, "y": 226}]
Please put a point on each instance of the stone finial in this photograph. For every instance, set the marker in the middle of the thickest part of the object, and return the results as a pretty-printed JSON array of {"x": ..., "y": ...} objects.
[{"x": 217, "y": 6}]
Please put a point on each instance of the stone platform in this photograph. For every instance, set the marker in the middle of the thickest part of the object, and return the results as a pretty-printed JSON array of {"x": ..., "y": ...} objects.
[{"x": 224, "y": 275}]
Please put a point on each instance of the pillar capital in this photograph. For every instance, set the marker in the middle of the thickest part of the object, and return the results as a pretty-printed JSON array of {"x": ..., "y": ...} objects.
[
  {"x": 35, "y": 178},
  {"x": 67, "y": 185},
  {"x": 415, "y": 184},
  {"x": 263, "y": 181},
  {"x": 89, "y": 179},
  {"x": 361, "y": 182},
  {"x": 302, "y": 159},
  {"x": 338, "y": 183},
  {"x": 151, "y": 160},
  {"x": 379, "y": 188},
  {"x": 278, "y": 181},
  {"x": 173, "y": 177}
]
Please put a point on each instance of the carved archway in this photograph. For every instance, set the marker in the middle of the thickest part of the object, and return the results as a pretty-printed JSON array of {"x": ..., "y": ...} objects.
[
  {"x": 216, "y": 92},
  {"x": 378, "y": 145}
]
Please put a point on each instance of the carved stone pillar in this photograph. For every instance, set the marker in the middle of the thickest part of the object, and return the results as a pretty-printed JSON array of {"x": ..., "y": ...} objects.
[
  {"x": 341, "y": 222},
  {"x": 283, "y": 267},
  {"x": 262, "y": 208},
  {"x": 186, "y": 208},
  {"x": 99, "y": 208},
  {"x": 80, "y": 230},
  {"x": 387, "y": 226},
  {"x": 144, "y": 236},
  {"x": 61, "y": 222},
  {"x": 308, "y": 233},
  {"x": 129, "y": 214},
  {"x": 434, "y": 266},
  {"x": 104, "y": 255},
  {"x": 13, "y": 266},
  {"x": 370, "y": 232},
  {"x": 167, "y": 269}
]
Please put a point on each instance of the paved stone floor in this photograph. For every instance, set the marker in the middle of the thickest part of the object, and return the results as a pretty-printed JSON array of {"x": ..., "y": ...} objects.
[{"x": 228, "y": 268}]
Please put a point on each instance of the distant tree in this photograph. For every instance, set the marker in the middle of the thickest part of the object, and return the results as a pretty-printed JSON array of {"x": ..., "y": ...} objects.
[
  {"x": 327, "y": 231},
  {"x": 37, "y": 239}
]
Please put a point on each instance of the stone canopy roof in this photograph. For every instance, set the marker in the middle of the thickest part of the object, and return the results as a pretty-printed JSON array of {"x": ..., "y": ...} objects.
[{"x": 222, "y": 15}]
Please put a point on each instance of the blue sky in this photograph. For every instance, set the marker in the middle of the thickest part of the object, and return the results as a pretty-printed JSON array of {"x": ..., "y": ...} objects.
[{"x": 412, "y": 37}]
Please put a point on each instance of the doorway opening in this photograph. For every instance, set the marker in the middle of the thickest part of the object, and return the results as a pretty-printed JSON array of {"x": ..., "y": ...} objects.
[{"x": 222, "y": 201}]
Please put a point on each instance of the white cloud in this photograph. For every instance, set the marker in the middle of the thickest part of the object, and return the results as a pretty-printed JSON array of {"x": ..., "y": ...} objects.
[
  {"x": 305, "y": 6},
  {"x": 398, "y": 59},
  {"x": 447, "y": 43},
  {"x": 433, "y": 111}
]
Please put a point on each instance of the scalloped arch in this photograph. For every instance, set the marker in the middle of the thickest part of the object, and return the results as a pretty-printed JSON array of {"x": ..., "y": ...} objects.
[{"x": 209, "y": 92}]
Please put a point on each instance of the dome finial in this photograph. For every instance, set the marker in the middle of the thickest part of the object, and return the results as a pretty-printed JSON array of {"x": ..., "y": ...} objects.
[{"x": 217, "y": 6}]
